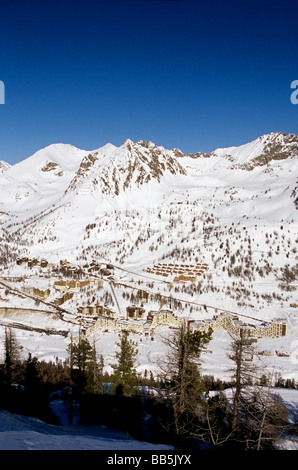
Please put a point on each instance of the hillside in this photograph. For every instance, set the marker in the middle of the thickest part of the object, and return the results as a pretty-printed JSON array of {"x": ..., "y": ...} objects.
[
  {"x": 24, "y": 433},
  {"x": 226, "y": 221}
]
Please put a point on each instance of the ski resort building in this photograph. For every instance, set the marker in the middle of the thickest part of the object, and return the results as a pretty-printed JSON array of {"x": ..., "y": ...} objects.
[
  {"x": 228, "y": 322},
  {"x": 135, "y": 312},
  {"x": 74, "y": 284},
  {"x": 97, "y": 310},
  {"x": 233, "y": 325},
  {"x": 43, "y": 294},
  {"x": 275, "y": 329},
  {"x": 164, "y": 318}
]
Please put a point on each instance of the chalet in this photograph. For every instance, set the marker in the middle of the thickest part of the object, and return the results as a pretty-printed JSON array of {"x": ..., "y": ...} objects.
[
  {"x": 93, "y": 268},
  {"x": 22, "y": 260},
  {"x": 183, "y": 278},
  {"x": 105, "y": 272},
  {"x": 66, "y": 296},
  {"x": 96, "y": 310},
  {"x": 44, "y": 294},
  {"x": 135, "y": 312},
  {"x": 72, "y": 284},
  {"x": 164, "y": 318},
  {"x": 142, "y": 294},
  {"x": 106, "y": 311},
  {"x": 62, "y": 284},
  {"x": 64, "y": 262},
  {"x": 32, "y": 262}
]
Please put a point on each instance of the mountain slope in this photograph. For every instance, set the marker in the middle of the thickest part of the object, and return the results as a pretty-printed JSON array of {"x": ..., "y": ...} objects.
[
  {"x": 127, "y": 167},
  {"x": 138, "y": 204},
  {"x": 274, "y": 146},
  {"x": 154, "y": 214},
  {"x": 60, "y": 169},
  {"x": 39, "y": 180},
  {"x": 4, "y": 166},
  {"x": 64, "y": 183}
]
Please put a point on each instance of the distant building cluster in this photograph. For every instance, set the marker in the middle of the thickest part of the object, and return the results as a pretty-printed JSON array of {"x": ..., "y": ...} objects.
[
  {"x": 97, "y": 310},
  {"x": 137, "y": 319},
  {"x": 60, "y": 300},
  {"x": 43, "y": 294},
  {"x": 138, "y": 322},
  {"x": 73, "y": 284},
  {"x": 182, "y": 272},
  {"x": 31, "y": 262},
  {"x": 104, "y": 269},
  {"x": 233, "y": 325}
]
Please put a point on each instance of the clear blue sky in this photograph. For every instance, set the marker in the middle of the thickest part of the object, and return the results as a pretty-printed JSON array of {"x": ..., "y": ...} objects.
[{"x": 188, "y": 74}]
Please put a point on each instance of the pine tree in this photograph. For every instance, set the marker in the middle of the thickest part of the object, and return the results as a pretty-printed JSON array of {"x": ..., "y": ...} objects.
[
  {"x": 82, "y": 355},
  {"x": 32, "y": 381},
  {"x": 258, "y": 416},
  {"x": 81, "y": 361},
  {"x": 125, "y": 376},
  {"x": 265, "y": 418},
  {"x": 12, "y": 357},
  {"x": 182, "y": 378},
  {"x": 244, "y": 370},
  {"x": 215, "y": 428},
  {"x": 94, "y": 373}
]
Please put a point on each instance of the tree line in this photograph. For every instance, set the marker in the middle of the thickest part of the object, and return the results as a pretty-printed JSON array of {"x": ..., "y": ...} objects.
[{"x": 179, "y": 405}]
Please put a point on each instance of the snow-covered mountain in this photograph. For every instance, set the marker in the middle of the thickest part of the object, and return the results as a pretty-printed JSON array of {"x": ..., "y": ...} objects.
[
  {"x": 61, "y": 186},
  {"x": 274, "y": 146},
  {"x": 4, "y": 166},
  {"x": 141, "y": 206}
]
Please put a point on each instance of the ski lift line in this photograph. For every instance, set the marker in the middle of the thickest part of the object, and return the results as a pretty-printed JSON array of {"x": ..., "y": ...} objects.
[
  {"x": 49, "y": 304},
  {"x": 95, "y": 341},
  {"x": 115, "y": 297},
  {"x": 22, "y": 326},
  {"x": 193, "y": 302},
  {"x": 125, "y": 285},
  {"x": 142, "y": 275}
]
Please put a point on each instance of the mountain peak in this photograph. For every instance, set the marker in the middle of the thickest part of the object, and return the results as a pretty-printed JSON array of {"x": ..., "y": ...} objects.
[
  {"x": 259, "y": 152},
  {"x": 127, "y": 144},
  {"x": 4, "y": 166}
]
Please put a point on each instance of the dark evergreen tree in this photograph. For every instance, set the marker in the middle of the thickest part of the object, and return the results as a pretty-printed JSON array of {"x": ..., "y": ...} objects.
[
  {"x": 12, "y": 357},
  {"x": 244, "y": 370},
  {"x": 82, "y": 355},
  {"x": 94, "y": 373},
  {"x": 258, "y": 416},
  {"x": 31, "y": 375},
  {"x": 85, "y": 371},
  {"x": 125, "y": 376},
  {"x": 181, "y": 375},
  {"x": 215, "y": 430}
]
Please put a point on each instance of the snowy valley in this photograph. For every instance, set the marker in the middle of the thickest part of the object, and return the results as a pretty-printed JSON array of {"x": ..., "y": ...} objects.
[{"x": 142, "y": 229}]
